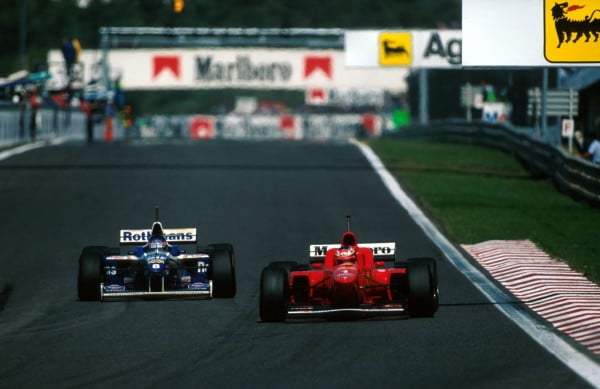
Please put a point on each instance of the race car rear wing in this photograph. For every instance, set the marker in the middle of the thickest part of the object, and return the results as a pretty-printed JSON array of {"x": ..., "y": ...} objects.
[
  {"x": 381, "y": 251},
  {"x": 173, "y": 235}
]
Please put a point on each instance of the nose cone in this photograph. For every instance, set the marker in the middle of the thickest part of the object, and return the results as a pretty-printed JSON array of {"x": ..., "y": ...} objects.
[
  {"x": 156, "y": 265},
  {"x": 345, "y": 274}
]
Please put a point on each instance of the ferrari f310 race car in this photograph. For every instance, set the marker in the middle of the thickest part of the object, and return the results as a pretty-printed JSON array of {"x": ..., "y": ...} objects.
[
  {"x": 158, "y": 266},
  {"x": 348, "y": 280}
]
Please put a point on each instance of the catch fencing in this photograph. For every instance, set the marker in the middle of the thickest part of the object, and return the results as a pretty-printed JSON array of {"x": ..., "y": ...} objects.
[
  {"x": 24, "y": 125},
  {"x": 310, "y": 127},
  {"x": 574, "y": 176}
]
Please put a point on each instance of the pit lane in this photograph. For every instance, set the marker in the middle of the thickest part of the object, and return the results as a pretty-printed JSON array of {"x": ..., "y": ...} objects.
[{"x": 270, "y": 200}]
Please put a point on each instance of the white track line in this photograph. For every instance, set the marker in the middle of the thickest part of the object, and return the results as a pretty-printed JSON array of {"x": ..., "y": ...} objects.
[
  {"x": 21, "y": 149},
  {"x": 580, "y": 363},
  {"x": 30, "y": 146}
]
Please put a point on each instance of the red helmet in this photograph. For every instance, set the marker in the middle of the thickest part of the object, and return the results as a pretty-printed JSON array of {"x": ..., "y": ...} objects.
[{"x": 345, "y": 254}]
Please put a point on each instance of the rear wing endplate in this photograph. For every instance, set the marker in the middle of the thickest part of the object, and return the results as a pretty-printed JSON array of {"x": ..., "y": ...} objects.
[
  {"x": 381, "y": 251},
  {"x": 173, "y": 235}
]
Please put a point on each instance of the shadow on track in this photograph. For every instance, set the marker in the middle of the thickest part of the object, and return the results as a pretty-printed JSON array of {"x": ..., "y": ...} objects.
[{"x": 5, "y": 295}]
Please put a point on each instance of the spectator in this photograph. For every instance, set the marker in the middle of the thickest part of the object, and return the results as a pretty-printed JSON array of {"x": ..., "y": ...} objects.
[
  {"x": 69, "y": 54},
  {"x": 76, "y": 48},
  {"x": 593, "y": 150},
  {"x": 579, "y": 141},
  {"x": 35, "y": 104},
  {"x": 489, "y": 94}
]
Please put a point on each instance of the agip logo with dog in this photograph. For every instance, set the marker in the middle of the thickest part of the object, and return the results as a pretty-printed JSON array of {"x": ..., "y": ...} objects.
[
  {"x": 571, "y": 31},
  {"x": 395, "y": 49}
]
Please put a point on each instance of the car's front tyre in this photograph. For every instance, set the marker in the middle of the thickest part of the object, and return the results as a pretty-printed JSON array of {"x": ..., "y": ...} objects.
[
  {"x": 90, "y": 273},
  {"x": 274, "y": 294},
  {"x": 223, "y": 270},
  {"x": 421, "y": 296}
]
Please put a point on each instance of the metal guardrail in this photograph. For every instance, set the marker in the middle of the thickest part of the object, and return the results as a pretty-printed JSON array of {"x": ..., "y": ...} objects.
[
  {"x": 16, "y": 125},
  {"x": 321, "y": 38},
  {"x": 309, "y": 127},
  {"x": 574, "y": 176}
]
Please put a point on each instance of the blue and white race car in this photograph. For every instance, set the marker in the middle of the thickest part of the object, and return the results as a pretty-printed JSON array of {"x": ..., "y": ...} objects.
[{"x": 159, "y": 266}]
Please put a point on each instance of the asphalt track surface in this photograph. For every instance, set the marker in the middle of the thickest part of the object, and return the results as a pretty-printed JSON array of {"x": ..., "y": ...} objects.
[{"x": 270, "y": 200}]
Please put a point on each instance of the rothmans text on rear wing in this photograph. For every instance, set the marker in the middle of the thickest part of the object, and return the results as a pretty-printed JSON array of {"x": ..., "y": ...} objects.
[{"x": 173, "y": 235}]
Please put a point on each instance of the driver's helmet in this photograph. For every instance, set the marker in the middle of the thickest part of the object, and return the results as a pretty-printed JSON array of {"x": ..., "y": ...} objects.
[
  {"x": 345, "y": 254},
  {"x": 157, "y": 243}
]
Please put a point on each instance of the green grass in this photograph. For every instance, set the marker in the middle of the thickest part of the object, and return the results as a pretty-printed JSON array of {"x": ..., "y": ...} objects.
[{"x": 475, "y": 194}]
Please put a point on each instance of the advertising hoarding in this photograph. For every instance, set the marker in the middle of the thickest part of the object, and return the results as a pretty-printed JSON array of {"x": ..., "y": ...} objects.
[
  {"x": 410, "y": 48},
  {"x": 530, "y": 33},
  {"x": 217, "y": 68}
]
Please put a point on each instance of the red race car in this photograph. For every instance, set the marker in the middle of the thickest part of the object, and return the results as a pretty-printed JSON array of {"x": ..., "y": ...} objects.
[{"x": 349, "y": 280}]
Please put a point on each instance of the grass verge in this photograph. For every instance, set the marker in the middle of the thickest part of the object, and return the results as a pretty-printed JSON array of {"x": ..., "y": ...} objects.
[{"x": 475, "y": 193}]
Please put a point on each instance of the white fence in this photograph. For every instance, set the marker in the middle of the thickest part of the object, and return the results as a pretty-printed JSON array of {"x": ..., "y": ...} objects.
[
  {"x": 312, "y": 127},
  {"x": 16, "y": 126},
  {"x": 21, "y": 126}
]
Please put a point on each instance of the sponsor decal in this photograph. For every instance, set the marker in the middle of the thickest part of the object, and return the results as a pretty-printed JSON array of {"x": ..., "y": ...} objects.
[
  {"x": 202, "y": 267},
  {"x": 139, "y": 236},
  {"x": 318, "y": 251},
  {"x": 202, "y": 127},
  {"x": 169, "y": 63},
  {"x": 288, "y": 125},
  {"x": 199, "y": 286},
  {"x": 287, "y": 122},
  {"x": 371, "y": 124},
  {"x": 317, "y": 96},
  {"x": 242, "y": 69},
  {"x": 345, "y": 97},
  {"x": 571, "y": 31},
  {"x": 395, "y": 48},
  {"x": 451, "y": 51},
  {"x": 318, "y": 63},
  {"x": 114, "y": 288},
  {"x": 382, "y": 250},
  {"x": 110, "y": 270}
]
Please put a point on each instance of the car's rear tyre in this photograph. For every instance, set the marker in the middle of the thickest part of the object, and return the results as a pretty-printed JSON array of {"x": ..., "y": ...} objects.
[
  {"x": 223, "y": 270},
  {"x": 90, "y": 273},
  {"x": 421, "y": 300},
  {"x": 274, "y": 294},
  {"x": 285, "y": 265}
]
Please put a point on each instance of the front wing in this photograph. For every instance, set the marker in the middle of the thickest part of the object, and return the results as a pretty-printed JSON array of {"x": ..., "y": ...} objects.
[
  {"x": 113, "y": 285},
  {"x": 181, "y": 293},
  {"x": 309, "y": 311}
]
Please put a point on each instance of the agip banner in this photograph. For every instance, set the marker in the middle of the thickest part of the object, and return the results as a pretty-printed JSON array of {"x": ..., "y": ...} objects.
[
  {"x": 397, "y": 49},
  {"x": 234, "y": 68},
  {"x": 531, "y": 32},
  {"x": 571, "y": 31}
]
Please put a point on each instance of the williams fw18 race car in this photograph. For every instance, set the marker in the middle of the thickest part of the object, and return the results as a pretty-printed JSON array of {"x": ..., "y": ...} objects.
[
  {"x": 157, "y": 266},
  {"x": 348, "y": 280}
]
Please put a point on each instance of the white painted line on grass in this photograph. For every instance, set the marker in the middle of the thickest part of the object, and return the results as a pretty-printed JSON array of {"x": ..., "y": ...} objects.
[{"x": 580, "y": 363}]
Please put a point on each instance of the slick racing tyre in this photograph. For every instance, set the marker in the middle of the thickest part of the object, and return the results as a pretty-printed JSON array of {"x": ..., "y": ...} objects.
[
  {"x": 223, "y": 270},
  {"x": 421, "y": 299},
  {"x": 274, "y": 294},
  {"x": 432, "y": 266},
  {"x": 90, "y": 273}
]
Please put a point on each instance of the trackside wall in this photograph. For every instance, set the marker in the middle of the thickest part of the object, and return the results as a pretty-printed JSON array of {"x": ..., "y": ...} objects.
[{"x": 16, "y": 125}]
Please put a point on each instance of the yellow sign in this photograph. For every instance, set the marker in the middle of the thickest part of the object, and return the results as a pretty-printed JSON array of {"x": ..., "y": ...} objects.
[
  {"x": 395, "y": 49},
  {"x": 571, "y": 31}
]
